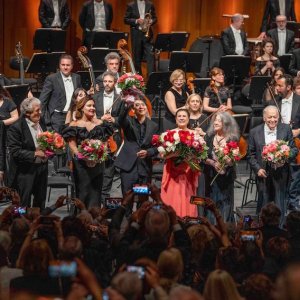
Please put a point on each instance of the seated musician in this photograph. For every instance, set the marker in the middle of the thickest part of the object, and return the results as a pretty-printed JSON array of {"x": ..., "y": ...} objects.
[
  {"x": 217, "y": 97},
  {"x": 278, "y": 72},
  {"x": 267, "y": 62}
]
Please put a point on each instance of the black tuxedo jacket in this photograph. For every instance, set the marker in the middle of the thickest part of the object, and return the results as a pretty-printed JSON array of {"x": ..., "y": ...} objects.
[
  {"x": 127, "y": 156},
  {"x": 132, "y": 13},
  {"x": 21, "y": 146},
  {"x": 256, "y": 142},
  {"x": 294, "y": 67},
  {"x": 272, "y": 10},
  {"x": 87, "y": 15},
  {"x": 228, "y": 41},
  {"x": 46, "y": 13},
  {"x": 289, "y": 42},
  {"x": 53, "y": 95},
  {"x": 2, "y": 146}
]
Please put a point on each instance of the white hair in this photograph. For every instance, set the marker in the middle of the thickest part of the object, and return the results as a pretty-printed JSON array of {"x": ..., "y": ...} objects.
[{"x": 27, "y": 105}]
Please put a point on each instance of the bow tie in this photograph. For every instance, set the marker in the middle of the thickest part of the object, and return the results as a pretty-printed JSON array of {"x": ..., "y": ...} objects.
[
  {"x": 67, "y": 79},
  {"x": 286, "y": 101},
  {"x": 237, "y": 31},
  {"x": 270, "y": 132},
  {"x": 108, "y": 96}
]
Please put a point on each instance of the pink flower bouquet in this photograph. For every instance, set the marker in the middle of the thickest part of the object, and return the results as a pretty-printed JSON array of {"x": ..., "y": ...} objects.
[
  {"x": 93, "y": 151},
  {"x": 51, "y": 143}
]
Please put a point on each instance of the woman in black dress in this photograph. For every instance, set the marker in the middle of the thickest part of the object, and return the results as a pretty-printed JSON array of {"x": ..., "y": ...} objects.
[
  {"x": 267, "y": 62},
  {"x": 216, "y": 95},
  {"x": 175, "y": 98},
  {"x": 88, "y": 176}
]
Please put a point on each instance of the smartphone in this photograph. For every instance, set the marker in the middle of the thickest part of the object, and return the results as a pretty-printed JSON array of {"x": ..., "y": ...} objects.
[
  {"x": 198, "y": 200},
  {"x": 247, "y": 220},
  {"x": 141, "y": 189},
  {"x": 113, "y": 202},
  {"x": 248, "y": 235},
  {"x": 19, "y": 210},
  {"x": 137, "y": 269},
  {"x": 59, "y": 268},
  {"x": 194, "y": 221},
  {"x": 157, "y": 207}
]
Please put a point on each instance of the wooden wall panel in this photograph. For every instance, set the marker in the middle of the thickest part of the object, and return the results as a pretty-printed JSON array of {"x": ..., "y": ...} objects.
[{"x": 199, "y": 17}]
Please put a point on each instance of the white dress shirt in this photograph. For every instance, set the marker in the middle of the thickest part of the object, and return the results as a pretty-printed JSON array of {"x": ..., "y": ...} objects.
[
  {"x": 239, "y": 48},
  {"x": 69, "y": 88},
  {"x": 281, "y": 41},
  {"x": 56, "y": 21},
  {"x": 108, "y": 100},
  {"x": 282, "y": 7},
  {"x": 286, "y": 109},
  {"x": 35, "y": 130},
  {"x": 270, "y": 135},
  {"x": 99, "y": 12},
  {"x": 142, "y": 7}
]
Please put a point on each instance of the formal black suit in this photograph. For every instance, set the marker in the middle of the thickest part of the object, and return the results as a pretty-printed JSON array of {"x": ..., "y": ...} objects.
[
  {"x": 135, "y": 169},
  {"x": 46, "y": 13},
  {"x": 53, "y": 99},
  {"x": 2, "y": 147},
  {"x": 27, "y": 174},
  {"x": 228, "y": 42},
  {"x": 272, "y": 10},
  {"x": 274, "y": 187},
  {"x": 87, "y": 19},
  {"x": 294, "y": 67},
  {"x": 289, "y": 42},
  {"x": 141, "y": 46}
]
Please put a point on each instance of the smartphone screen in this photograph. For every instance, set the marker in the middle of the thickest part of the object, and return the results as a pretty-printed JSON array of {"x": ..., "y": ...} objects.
[
  {"x": 137, "y": 269},
  {"x": 113, "y": 202},
  {"x": 198, "y": 200},
  {"x": 248, "y": 235},
  {"x": 141, "y": 189},
  {"x": 19, "y": 210},
  {"x": 60, "y": 268}
]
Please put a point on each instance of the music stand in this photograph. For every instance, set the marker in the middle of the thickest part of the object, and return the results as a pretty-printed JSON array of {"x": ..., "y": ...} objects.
[
  {"x": 158, "y": 83},
  {"x": 97, "y": 55},
  {"x": 49, "y": 40},
  {"x": 285, "y": 61},
  {"x": 18, "y": 93},
  {"x": 107, "y": 39},
  {"x": 44, "y": 62},
  {"x": 200, "y": 85},
  {"x": 187, "y": 61},
  {"x": 258, "y": 85},
  {"x": 174, "y": 41},
  {"x": 235, "y": 66},
  {"x": 86, "y": 79}
]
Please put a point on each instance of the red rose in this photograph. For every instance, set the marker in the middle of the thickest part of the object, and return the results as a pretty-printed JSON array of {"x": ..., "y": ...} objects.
[{"x": 155, "y": 139}]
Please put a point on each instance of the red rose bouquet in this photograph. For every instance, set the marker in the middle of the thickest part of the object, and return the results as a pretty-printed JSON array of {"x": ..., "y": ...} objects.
[
  {"x": 131, "y": 85},
  {"x": 276, "y": 153},
  {"x": 93, "y": 151},
  {"x": 227, "y": 155},
  {"x": 51, "y": 143},
  {"x": 186, "y": 146}
]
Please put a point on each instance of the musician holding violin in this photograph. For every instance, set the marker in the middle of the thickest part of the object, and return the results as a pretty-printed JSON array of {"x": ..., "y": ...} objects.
[
  {"x": 216, "y": 96},
  {"x": 267, "y": 62}
]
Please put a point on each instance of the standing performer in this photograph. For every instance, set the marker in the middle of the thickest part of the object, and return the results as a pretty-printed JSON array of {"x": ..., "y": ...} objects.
[
  {"x": 95, "y": 15},
  {"x": 271, "y": 183},
  {"x": 141, "y": 15}
]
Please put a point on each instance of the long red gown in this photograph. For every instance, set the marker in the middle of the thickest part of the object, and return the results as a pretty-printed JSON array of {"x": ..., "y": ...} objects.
[{"x": 179, "y": 183}]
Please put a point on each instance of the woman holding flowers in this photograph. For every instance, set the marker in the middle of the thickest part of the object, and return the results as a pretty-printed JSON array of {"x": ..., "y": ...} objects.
[
  {"x": 180, "y": 178},
  {"x": 222, "y": 139},
  {"x": 85, "y": 137}
]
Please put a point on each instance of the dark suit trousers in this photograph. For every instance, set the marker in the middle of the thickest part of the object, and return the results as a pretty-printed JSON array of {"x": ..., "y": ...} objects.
[
  {"x": 57, "y": 121},
  {"x": 108, "y": 176},
  {"x": 141, "y": 48},
  {"x": 30, "y": 181},
  {"x": 294, "y": 188}
]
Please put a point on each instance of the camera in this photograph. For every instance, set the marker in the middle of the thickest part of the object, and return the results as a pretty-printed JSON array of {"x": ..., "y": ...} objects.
[
  {"x": 137, "y": 269},
  {"x": 19, "y": 210},
  {"x": 113, "y": 202},
  {"x": 141, "y": 189},
  {"x": 248, "y": 235},
  {"x": 198, "y": 200},
  {"x": 60, "y": 268}
]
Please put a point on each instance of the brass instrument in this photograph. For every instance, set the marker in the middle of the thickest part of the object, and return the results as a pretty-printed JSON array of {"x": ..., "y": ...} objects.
[{"x": 145, "y": 26}]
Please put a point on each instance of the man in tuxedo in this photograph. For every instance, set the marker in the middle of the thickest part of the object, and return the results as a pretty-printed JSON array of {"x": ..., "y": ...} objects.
[
  {"x": 57, "y": 93},
  {"x": 290, "y": 114},
  {"x": 112, "y": 61},
  {"x": 107, "y": 104},
  {"x": 28, "y": 164},
  {"x": 284, "y": 39},
  {"x": 135, "y": 157},
  {"x": 95, "y": 15},
  {"x": 271, "y": 182},
  {"x": 136, "y": 16},
  {"x": 233, "y": 38},
  {"x": 274, "y": 8},
  {"x": 294, "y": 67},
  {"x": 54, "y": 14}
]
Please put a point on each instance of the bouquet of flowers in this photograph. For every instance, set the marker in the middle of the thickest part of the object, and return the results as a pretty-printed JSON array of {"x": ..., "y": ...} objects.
[
  {"x": 93, "y": 151},
  {"x": 227, "y": 155},
  {"x": 276, "y": 153},
  {"x": 131, "y": 85},
  {"x": 51, "y": 143},
  {"x": 187, "y": 146}
]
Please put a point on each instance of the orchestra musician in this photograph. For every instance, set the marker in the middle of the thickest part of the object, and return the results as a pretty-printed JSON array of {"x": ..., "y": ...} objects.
[
  {"x": 271, "y": 182},
  {"x": 267, "y": 97},
  {"x": 294, "y": 68},
  {"x": 141, "y": 16},
  {"x": 216, "y": 95},
  {"x": 233, "y": 38},
  {"x": 267, "y": 62}
]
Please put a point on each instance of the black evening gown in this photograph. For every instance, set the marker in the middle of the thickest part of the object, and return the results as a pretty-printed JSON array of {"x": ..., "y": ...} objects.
[{"x": 88, "y": 180}]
